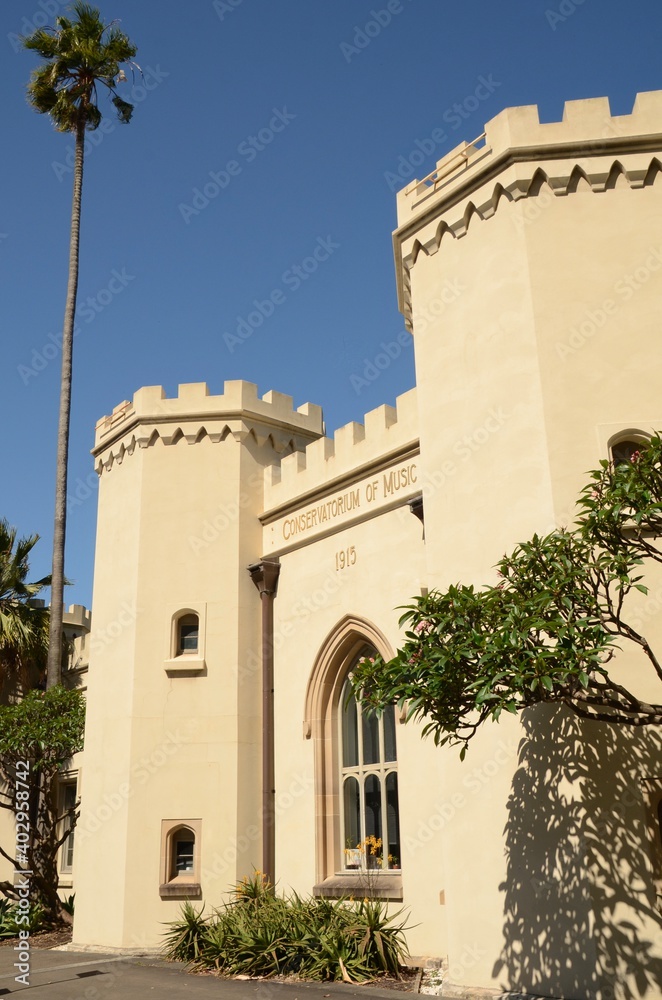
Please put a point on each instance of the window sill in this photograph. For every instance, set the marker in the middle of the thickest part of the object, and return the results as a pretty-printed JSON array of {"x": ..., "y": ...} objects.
[
  {"x": 180, "y": 890},
  {"x": 376, "y": 885},
  {"x": 185, "y": 666}
]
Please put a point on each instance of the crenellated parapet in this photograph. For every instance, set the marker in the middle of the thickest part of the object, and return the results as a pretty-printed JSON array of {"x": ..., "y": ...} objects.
[
  {"x": 78, "y": 616},
  {"x": 364, "y": 471},
  {"x": 193, "y": 415},
  {"x": 519, "y": 157}
]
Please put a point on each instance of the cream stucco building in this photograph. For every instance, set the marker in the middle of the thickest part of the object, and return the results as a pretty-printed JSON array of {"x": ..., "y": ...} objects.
[{"x": 239, "y": 550}]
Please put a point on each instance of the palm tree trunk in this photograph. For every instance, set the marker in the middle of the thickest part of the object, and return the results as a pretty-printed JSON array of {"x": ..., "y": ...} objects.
[{"x": 54, "y": 670}]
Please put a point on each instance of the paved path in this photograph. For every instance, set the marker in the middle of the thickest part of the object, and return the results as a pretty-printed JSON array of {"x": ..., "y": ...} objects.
[{"x": 57, "y": 975}]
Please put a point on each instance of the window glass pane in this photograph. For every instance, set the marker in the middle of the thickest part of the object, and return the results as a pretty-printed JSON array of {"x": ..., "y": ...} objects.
[
  {"x": 392, "y": 821},
  {"x": 370, "y": 728},
  {"x": 350, "y": 731},
  {"x": 623, "y": 451},
  {"x": 352, "y": 812},
  {"x": 188, "y": 638},
  {"x": 368, "y": 759},
  {"x": 184, "y": 855},
  {"x": 68, "y": 802},
  {"x": 69, "y": 850},
  {"x": 389, "y": 734},
  {"x": 373, "y": 807}
]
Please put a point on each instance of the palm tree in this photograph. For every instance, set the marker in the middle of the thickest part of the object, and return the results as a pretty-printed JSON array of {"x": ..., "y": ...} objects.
[
  {"x": 82, "y": 53},
  {"x": 23, "y": 621}
]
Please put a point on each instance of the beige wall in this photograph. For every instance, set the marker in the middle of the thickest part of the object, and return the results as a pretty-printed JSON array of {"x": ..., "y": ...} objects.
[{"x": 542, "y": 353}]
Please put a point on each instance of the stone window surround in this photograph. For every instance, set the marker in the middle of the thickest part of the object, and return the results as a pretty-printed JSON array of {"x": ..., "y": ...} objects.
[
  {"x": 612, "y": 434},
  {"x": 183, "y": 885},
  {"x": 67, "y": 778},
  {"x": 321, "y": 724},
  {"x": 186, "y": 664}
]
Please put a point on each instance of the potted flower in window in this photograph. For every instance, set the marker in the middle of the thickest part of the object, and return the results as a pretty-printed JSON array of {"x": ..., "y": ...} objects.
[{"x": 353, "y": 856}]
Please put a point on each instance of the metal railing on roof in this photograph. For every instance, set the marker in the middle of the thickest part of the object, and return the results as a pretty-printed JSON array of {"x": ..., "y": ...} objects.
[{"x": 451, "y": 165}]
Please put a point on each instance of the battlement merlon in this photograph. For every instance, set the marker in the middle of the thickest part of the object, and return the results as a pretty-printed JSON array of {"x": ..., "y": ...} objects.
[
  {"x": 587, "y": 128},
  {"x": 78, "y": 616},
  {"x": 387, "y": 433},
  {"x": 516, "y": 147},
  {"x": 239, "y": 403}
]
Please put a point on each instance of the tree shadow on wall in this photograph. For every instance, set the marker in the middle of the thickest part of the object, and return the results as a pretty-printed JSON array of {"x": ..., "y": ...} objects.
[{"x": 582, "y": 918}]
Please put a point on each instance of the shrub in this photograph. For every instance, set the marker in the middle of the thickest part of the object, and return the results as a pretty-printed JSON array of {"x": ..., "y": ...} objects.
[
  {"x": 9, "y": 914},
  {"x": 182, "y": 941},
  {"x": 261, "y": 934}
]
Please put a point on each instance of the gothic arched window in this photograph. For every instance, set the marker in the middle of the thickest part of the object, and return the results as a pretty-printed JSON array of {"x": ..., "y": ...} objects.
[{"x": 369, "y": 783}]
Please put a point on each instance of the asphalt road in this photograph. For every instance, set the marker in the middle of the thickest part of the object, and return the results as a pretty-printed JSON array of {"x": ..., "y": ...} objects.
[{"x": 58, "y": 975}]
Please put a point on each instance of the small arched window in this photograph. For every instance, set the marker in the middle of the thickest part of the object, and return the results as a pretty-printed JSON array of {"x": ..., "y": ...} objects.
[
  {"x": 624, "y": 447},
  {"x": 185, "y": 655},
  {"x": 180, "y": 861},
  {"x": 188, "y": 634},
  {"x": 182, "y": 853}
]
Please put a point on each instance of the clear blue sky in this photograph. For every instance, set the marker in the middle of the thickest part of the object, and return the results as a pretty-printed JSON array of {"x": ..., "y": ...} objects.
[{"x": 163, "y": 288}]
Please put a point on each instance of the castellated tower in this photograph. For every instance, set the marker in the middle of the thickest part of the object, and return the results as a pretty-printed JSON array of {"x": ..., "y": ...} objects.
[
  {"x": 529, "y": 269},
  {"x": 181, "y": 485}
]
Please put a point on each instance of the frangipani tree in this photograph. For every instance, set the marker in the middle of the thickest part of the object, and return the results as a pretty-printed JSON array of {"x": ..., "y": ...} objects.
[
  {"x": 38, "y": 737},
  {"x": 547, "y": 631},
  {"x": 84, "y": 57}
]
